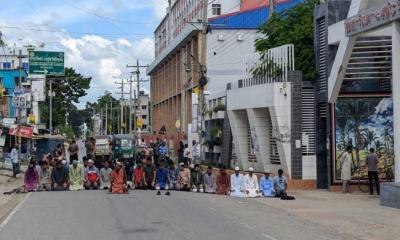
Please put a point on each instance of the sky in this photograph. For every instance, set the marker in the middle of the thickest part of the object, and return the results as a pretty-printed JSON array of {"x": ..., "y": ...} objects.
[{"x": 99, "y": 37}]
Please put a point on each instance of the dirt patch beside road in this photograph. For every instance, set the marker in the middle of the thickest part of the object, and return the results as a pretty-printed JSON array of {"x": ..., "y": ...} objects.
[{"x": 7, "y": 183}]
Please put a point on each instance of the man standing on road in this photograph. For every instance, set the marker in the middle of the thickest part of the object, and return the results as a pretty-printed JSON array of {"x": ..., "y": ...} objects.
[
  {"x": 223, "y": 182},
  {"x": 162, "y": 180},
  {"x": 237, "y": 184},
  {"x": 149, "y": 174},
  {"x": 196, "y": 178},
  {"x": 251, "y": 184},
  {"x": 92, "y": 176},
  {"x": 15, "y": 160},
  {"x": 267, "y": 185},
  {"x": 346, "y": 161},
  {"x": 195, "y": 152},
  {"x": 76, "y": 177},
  {"x": 73, "y": 151},
  {"x": 209, "y": 181},
  {"x": 59, "y": 178},
  {"x": 371, "y": 161}
]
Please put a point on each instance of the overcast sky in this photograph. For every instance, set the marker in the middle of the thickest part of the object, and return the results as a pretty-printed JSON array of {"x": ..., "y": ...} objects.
[{"x": 99, "y": 37}]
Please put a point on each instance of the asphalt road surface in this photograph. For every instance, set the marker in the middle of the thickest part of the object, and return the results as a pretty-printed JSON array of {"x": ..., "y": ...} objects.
[{"x": 143, "y": 215}]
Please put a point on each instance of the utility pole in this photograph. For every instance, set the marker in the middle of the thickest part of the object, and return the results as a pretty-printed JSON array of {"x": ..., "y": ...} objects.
[
  {"x": 137, "y": 66},
  {"x": 130, "y": 103},
  {"x": 112, "y": 116},
  {"x": 107, "y": 118},
  {"x": 51, "y": 106},
  {"x": 122, "y": 83},
  {"x": 271, "y": 7},
  {"x": 203, "y": 77},
  {"x": 19, "y": 108}
]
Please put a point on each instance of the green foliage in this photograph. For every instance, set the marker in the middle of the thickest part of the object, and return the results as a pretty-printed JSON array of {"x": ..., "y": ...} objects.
[
  {"x": 216, "y": 135},
  {"x": 294, "y": 26},
  {"x": 67, "y": 91},
  {"x": 219, "y": 107},
  {"x": 67, "y": 131}
]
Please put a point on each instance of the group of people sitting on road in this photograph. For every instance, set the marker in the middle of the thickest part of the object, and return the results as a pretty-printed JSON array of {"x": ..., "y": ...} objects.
[{"x": 119, "y": 178}]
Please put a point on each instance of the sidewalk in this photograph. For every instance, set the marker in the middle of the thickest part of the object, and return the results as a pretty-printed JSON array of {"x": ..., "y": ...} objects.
[
  {"x": 7, "y": 183},
  {"x": 357, "y": 214}
]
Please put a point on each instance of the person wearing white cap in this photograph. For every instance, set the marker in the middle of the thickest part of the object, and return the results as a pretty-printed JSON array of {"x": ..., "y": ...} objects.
[
  {"x": 267, "y": 185},
  {"x": 92, "y": 176},
  {"x": 237, "y": 184},
  {"x": 251, "y": 184}
]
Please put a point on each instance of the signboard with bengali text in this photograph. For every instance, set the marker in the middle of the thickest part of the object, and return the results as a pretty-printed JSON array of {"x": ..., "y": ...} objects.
[{"x": 48, "y": 63}]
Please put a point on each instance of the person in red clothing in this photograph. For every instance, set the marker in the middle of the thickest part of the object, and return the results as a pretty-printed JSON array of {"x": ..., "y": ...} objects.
[
  {"x": 223, "y": 182},
  {"x": 138, "y": 176}
]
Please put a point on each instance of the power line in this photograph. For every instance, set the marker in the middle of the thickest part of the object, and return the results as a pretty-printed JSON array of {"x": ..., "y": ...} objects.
[{"x": 73, "y": 32}]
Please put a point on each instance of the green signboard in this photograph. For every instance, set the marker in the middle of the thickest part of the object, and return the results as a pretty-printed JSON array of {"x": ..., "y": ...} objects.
[{"x": 48, "y": 63}]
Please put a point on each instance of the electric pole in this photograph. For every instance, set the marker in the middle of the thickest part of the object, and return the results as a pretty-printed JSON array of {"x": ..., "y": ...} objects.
[
  {"x": 122, "y": 83},
  {"x": 203, "y": 77},
  {"x": 137, "y": 66},
  {"x": 271, "y": 7}
]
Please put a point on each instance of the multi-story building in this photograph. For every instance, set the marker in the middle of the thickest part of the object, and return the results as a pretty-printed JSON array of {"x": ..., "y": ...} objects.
[
  {"x": 145, "y": 113},
  {"x": 232, "y": 27},
  {"x": 358, "y": 60}
]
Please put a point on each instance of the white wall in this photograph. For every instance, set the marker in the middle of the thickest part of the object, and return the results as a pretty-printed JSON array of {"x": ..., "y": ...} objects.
[{"x": 225, "y": 58}]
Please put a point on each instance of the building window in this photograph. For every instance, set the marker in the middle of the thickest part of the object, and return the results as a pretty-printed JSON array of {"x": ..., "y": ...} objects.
[
  {"x": 216, "y": 9},
  {"x": 144, "y": 107},
  {"x": 6, "y": 65},
  {"x": 144, "y": 126},
  {"x": 144, "y": 116}
]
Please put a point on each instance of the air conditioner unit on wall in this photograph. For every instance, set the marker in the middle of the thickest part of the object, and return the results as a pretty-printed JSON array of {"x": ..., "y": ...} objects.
[
  {"x": 239, "y": 37},
  {"x": 221, "y": 37}
]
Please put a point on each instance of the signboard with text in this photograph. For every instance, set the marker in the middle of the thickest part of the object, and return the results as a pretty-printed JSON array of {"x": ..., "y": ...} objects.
[
  {"x": 25, "y": 132},
  {"x": 48, "y": 63},
  {"x": 373, "y": 18}
]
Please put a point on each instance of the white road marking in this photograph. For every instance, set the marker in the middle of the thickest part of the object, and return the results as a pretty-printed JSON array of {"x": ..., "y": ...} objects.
[
  {"x": 269, "y": 237},
  {"x": 212, "y": 209},
  {"x": 14, "y": 211},
  {"x": 247, "y": 226}
]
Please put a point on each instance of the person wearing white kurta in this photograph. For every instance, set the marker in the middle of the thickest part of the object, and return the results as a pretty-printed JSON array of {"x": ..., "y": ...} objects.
[
  {"x": 346, "y": 160},
  {"x": 237, "y": 184},
  {"x": 251, "y": 184}
]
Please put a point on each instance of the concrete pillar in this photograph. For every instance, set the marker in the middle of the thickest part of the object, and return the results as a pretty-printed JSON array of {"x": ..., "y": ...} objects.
[
  {"x": 238, "y": 120},
  {"x": 396, "y": 95}
]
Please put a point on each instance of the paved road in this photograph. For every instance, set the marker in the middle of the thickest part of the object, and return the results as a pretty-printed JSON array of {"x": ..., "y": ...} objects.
[{"x": 142, "y": 215}]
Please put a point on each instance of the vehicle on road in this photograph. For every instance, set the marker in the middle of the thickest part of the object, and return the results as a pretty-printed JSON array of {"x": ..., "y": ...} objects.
[
  {"x": 123, "y": 147},
  {"x": 103, "y": 149}
]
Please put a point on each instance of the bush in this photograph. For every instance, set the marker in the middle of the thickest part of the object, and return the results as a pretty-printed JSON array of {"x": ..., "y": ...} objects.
[{"x": 219, "y": 107}]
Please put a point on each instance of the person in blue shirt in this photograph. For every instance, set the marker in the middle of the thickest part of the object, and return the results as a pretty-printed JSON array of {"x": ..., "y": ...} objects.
[
  {"x": 173, "y": 174},
  {"x": 280, "y": 184},
  {"x": 267, "y": 185},
  {"x": 162, "y": 179}
]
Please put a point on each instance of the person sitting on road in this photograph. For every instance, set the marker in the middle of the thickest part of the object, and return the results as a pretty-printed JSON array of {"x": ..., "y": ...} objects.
[
  {"x": 138, "y": 176},
  {"x": 92, "y": 176},
  {"x": 162, "y": 180},
  {"x": 280, "y": 184},
  {"x": 31, "y": 179},
  {"x": 59, "y": 177},
  {"x": 223, "y": 182},
  {"x": 118, "y": 180},
  {"x": 267, "y": 185},
  {"x": 76, "y": 177},
  {"x": 196, "y": 178},
  {"x": 251, "y": 184},
  {"x": 149, "y": 174},
  {"x": 210, "y": 185},
  {"x": 85, "y": 162},
  {"x": 129, "y": 173},
  {"x": 184, "y": 177},
  {"x": 105, "y": 173},
  {"x": 173, "y": 174},
  {"x": 45, "y": 174},
  {"x": 237, "y": 184}
]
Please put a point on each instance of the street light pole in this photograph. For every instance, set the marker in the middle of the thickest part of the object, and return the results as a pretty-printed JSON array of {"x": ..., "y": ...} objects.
[{"x": 51, "y": 106}]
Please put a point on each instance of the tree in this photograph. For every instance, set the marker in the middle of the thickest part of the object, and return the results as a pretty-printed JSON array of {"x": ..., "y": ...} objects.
[
  {"x": 293, "y": 26},
  {"x": 67, "y": 90}
]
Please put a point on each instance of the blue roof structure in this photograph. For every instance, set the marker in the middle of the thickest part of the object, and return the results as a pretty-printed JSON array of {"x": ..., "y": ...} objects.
[{"x": 251, "y": 19}]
